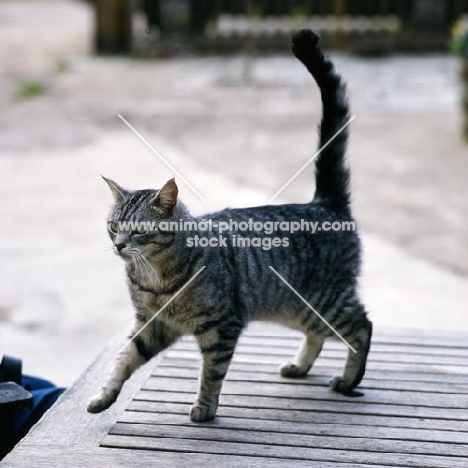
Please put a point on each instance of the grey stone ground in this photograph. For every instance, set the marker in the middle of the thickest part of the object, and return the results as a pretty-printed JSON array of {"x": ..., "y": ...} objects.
[{"x": 237, "y": 130}]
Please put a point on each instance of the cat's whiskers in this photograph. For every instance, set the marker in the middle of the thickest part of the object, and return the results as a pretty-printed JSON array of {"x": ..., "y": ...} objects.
[
  {"x": 103, "y": 248},
  {"x": 136, "y": 268},
  {"x": 135, "y": 262},
  {"x": 145, "y": 261},
  {"x": 100, "y": 249},
  {"x": 143, "y": 269}
]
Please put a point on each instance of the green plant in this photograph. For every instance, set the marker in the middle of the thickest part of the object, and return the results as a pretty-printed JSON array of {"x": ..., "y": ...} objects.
[
  {"x": 459, "y": 42},
  {"x": 29, "y": 90}
]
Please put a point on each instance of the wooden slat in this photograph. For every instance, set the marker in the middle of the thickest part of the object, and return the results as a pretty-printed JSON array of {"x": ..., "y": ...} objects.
[
  {"x": 319, "y": 380},
  {"x": 179, "y": 417},
  {"x": 276, "y": 359},
  {"x": 375, "y": 355},
  {"x": 283, "y": 452},
  {"x": 48, "y": 456},
  {"x": 381, "y": 346},
  {"x": 259, "y": 332},
  {"x": 421, "y": 337},
  {"x": 318, "y": 371},
  {"x": 344, "y": 408},
  {"x": 154, "y": 408},
  {"x": 272, "y": 439},
  {"x": 298, "y": 391}
]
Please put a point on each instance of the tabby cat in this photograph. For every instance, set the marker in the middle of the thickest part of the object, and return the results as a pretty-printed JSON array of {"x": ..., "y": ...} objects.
[{"x": 237, "y": 284}]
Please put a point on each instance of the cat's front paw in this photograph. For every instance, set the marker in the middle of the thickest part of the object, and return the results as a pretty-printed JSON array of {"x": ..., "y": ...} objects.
[
  {"x": 202, "y": 413},
  {"x": 291, "y": 370},
  {"x": 101, "y": 402}
]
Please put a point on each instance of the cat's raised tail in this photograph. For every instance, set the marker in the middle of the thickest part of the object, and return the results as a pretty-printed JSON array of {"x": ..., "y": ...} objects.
[{"x": 331, "y": 171}]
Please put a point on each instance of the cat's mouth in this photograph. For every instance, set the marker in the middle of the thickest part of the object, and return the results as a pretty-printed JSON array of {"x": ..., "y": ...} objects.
[
  {"x": 129, "y": 254},
  {"x": 122, "y": 252}
]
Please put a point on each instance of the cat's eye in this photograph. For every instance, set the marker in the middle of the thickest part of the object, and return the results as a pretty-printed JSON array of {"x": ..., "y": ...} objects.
[
  {"x": 113, "y": 226},
  {"x": 141, "y": 229}
]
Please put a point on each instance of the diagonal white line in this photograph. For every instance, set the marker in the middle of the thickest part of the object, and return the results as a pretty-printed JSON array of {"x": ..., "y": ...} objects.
[
  {"x": 162, "y": 308},
  {"x": 312, "y": 309},
  {"x": 160, "y": 156},
  {"x": 311, "y": 159}
]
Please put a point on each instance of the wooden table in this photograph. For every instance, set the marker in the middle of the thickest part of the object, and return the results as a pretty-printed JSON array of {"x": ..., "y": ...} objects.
[{"x": 414, "y": 411}]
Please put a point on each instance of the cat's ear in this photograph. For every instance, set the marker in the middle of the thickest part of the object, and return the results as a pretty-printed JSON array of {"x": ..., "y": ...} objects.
[
  {"x": 166, "y": 198},
  {"x": 117, "y": 191}
]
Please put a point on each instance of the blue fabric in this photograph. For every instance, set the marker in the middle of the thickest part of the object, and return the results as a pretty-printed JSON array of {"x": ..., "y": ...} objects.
[{"x": 45, "y": 395}]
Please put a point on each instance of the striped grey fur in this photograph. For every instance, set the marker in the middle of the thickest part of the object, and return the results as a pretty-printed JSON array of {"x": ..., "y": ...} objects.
[{"x": 237, "y": 285}]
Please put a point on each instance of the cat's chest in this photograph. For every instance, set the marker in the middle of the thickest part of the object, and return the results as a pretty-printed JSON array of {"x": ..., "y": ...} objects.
[
  {"x": 144, "y": 298},
  {"x": 167, "y": 306}
]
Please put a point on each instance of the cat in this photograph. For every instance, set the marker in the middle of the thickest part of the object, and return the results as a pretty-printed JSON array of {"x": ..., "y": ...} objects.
[{"x": 237, "y": 284}]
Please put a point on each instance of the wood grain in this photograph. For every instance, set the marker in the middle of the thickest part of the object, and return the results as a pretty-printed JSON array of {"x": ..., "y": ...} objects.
[
  {"x": 154, "y": 409},
  {"x": 342, "y": 408},
  {"x": 50, "y": 456},
  {"x": 296, "y": 390},
  {"x": 319, "y": 380},
  {"x": 177, "y": 415},
  {"x": 413, "y": 411},
  {"x": 286, "y": 452},
  {"x": 379, "y": 373}
]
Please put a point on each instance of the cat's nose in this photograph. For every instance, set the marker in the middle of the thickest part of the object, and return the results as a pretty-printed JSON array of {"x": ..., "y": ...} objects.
[{"x": 119, "y": 247}]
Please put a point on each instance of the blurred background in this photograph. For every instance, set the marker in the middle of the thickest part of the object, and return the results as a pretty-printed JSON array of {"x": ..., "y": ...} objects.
[{"x": 212, "y": 86}]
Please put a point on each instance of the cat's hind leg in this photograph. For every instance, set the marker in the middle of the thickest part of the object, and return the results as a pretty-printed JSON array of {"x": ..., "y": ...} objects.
[
  {"x": 153, "y": 339},
  {"x": 304, "y": 358},
  {"x": 356, "y": 362}
]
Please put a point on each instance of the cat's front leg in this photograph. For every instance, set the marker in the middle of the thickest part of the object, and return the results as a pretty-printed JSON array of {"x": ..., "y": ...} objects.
[
  {"x": 128, "y": 360},
  {"x": 217, "y": 354},
  {"x": 153, "y": 339}
]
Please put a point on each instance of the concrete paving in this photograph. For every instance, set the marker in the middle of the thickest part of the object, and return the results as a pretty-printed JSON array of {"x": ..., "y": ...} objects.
[{"x": 237, "y": 129}]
